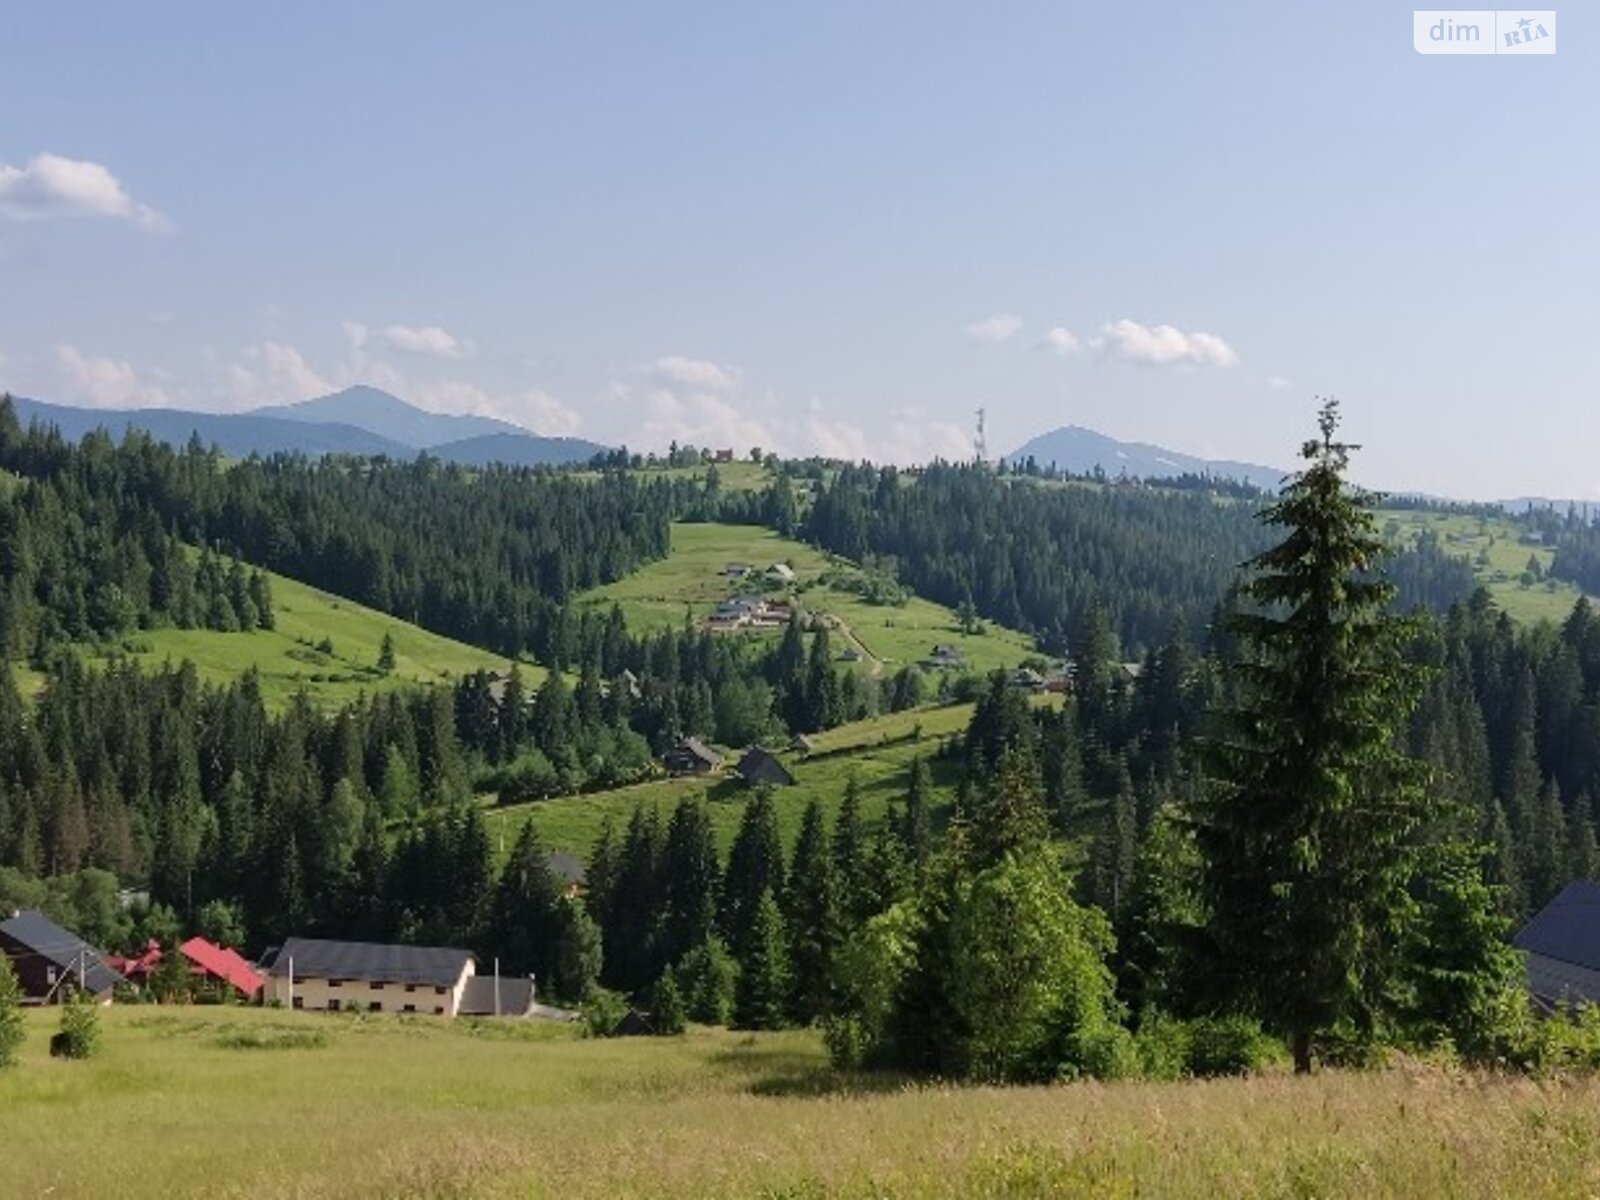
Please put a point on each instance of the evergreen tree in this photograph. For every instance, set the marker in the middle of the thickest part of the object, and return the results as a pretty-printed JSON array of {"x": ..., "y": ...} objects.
[
  {"x": 813, "y": 914},
  {"x": 849, "y": 854},
  {"x": 668, "y": 1016},
  {"x": 1307, "y": 836},
  {"x": 690, "y": 879},
  {"x": 916, "y": 826},
  {"x": 761, "y": 999},
  {"x": 755, "y": 867}
]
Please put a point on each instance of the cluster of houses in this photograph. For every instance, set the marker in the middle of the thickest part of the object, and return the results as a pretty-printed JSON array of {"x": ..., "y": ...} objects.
[
  {"x": 749, "y": 610},
  {"x": 313, "y": 974}
]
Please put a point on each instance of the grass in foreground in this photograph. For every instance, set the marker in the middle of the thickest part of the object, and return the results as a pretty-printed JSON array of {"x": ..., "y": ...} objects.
[{"x": 382, "y": 1107}]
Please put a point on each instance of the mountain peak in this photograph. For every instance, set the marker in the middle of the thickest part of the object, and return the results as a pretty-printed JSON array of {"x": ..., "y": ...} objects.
[
  {"x": 373, "y": 408},
  {"x": 1080, "y": 451}
]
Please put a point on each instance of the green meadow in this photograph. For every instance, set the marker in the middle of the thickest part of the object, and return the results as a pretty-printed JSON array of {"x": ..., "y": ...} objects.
[
  {"x": 690, "y": 582},
  {"x": 221, "y": 1103},
  {"x": 288, "y": 658},
  {"x": 1493, "y": 546},
  {"x": 877, "y": 752}
]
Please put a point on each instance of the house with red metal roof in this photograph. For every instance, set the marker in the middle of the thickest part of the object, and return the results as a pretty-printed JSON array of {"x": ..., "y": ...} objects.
[{"x": 219, "y": 964}]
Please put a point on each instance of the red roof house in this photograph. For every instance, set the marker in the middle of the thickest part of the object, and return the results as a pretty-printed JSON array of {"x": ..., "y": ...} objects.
[
  {"x": 216, "y": 962},
  {"x": 137, "y": 967}
]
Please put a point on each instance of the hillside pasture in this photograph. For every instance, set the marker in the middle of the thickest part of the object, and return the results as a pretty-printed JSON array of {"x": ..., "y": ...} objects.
[
  {"x": 878, "y": 752},
  {"x": 213, "y": 1102},
  {"x": 1493, "y": 546},
  {"x": 689, "y": 583},
  {"x": 288, "y": 658}
]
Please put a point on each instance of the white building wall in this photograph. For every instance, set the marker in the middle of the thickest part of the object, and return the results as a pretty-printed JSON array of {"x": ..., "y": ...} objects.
[{"x": 317, "y": 994}]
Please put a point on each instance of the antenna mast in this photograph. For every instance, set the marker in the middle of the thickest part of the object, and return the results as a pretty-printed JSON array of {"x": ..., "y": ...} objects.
[{"x": 980, "y": 444}]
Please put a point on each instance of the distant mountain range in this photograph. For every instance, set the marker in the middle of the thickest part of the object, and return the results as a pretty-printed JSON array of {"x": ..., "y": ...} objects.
[
  {"x": 358, "y": 420},
  {"x": 1079, "y": 450}
]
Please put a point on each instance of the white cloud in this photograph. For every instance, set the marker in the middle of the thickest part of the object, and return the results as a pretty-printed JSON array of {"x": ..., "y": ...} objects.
[
  {"x": 911, "y": 437},
  {"x": 274, "y": 373},
  {"x": 992, "y": 331},
  {"x": 1060, "y": 340},
  {"x": 430, "y": 340},
  {"x": 107, "y": 382},
  {"x": 695, "y": 373},
  {"x": 52, "y": 187},
  {"x": 1277, "y": 382},
  {"x": 536, "y": 410},
  {"x": 1164, "y": 346}
]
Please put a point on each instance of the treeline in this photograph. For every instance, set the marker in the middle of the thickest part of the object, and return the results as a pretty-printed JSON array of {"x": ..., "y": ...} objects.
[
  {"x": 85, "y": 558},
  {"x": 1577, "y": 543},
  {"x": 1043, "y": 558}
]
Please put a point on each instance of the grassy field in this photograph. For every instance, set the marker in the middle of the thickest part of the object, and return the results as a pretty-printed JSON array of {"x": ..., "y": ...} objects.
[
  {"x": 690, "y": 581},
  {"x": 177, "y": 1105},
  {"x": 877, "y": 752},
  {"x": 1497, "y": 540},
  {"x": 287, "y": 658}
]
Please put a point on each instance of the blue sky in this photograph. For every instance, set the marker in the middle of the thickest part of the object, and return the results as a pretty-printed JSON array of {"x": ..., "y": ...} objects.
[{"x": 820, "y": 227}]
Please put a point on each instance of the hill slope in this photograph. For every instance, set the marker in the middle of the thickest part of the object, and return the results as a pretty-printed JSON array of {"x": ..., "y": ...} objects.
[
  {"x": 1080, "y": 451},
  {"x": 517, "y": 450},
  {"x": 288, "y": 660}
]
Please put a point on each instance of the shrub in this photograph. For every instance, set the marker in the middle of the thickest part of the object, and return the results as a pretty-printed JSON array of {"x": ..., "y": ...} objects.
[
  {"x": 1104, "y": 1051},
  {"x": 1162, "y": 1044},
  {"x": 666, "y": 1007},
  {"x": 602, "y": 1011},
  {"x": 12, "y": 1030},
  {"x": 273, "y": 1037},
  {"x": 80, "y": 1027},
  {"x": 1230, "y": 1045}
]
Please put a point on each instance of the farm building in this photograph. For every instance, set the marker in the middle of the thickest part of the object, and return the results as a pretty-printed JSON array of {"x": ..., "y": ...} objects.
[
  {"x": 329, "y": 976},
  {"x": 489, "y": 996},
  {"x": 780, "y": 573},
  {"x": 762, "y": 766},
  {"x": 50, "y": 960},
  {"x": 691, "y": 756},
  {"x": 1562, "y": 948},
  {"x": 946, "y": 656},
  {"x": 1026, "y": 679}
]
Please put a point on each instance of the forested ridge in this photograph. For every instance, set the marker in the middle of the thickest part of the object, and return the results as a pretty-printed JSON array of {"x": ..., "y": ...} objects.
[{"x": 1045, "y": 557}]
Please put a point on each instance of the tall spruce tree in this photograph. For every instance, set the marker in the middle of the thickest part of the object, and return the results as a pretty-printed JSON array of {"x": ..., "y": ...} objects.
[
  {"x": 813, "y": 913},
  {"x": 1308, "y": 830}
]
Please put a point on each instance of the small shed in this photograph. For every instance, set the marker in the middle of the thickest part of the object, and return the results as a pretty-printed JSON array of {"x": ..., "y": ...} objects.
[
  {"x": 49, "y": 960},
  {"x": 762, "y": 766}
]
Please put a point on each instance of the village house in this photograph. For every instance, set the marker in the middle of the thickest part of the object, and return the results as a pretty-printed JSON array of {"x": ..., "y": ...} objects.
[
  {"x": 762, "y": 766},
  {"x": 1026, "y": 679},
  {"x": 51, "y": 961},
  {"x": 944, "y": 655},
  {"x": 1561, "y": 946},
  {"x": 781, "y": 573},
  {"x": 691, "y": 756},
  {"x": 329, "y": 976}
]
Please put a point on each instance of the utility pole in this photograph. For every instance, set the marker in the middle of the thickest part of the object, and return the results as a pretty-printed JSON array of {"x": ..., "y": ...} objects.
[
  {"x": 497, "y": 986},
  {"x": 291, "y": 981}
]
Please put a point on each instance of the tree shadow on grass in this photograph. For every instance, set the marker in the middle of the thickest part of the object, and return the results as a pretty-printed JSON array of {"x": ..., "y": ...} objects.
[{"x": 783, "y": 1071}]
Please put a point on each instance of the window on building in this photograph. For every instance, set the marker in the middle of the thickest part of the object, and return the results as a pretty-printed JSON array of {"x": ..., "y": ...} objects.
[
  {"x": 377, "y": 987},
  {"x": 375, "y": 1006},
  {"x": 411, "y": 1008},
  {"x": 333, "y": 1004},
  {"x": 410, "y": 987},
  {"x": 439, "y": 991},
  {"x": 333, "y": 983},
  {"x": 438, "y": 1010},
  {"x": 299, "y": 1002}
]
